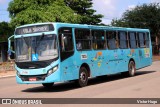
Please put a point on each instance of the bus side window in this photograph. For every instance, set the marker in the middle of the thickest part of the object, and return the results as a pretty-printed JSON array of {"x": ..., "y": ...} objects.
[
  {"x": 111, "y": 40},
  {"x": 98, "y": 39},
  {"x": 123, "y": 40},
  {"x": 141, "y": 40},
  {"x": 146, "y": 37},
  {"x": 137, "y": 40},
  {"x": 132, "y": 40},
  {"x": 83, "y": 39}
]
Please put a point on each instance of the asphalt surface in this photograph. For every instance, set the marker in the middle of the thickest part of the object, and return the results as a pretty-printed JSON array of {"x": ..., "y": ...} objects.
[{"x": 146, "y": 84}]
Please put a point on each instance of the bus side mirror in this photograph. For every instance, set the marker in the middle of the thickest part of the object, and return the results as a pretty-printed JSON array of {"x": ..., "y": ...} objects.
[
  {"x": 10, "y": 51},
  {"x": 11, "y": 54}
]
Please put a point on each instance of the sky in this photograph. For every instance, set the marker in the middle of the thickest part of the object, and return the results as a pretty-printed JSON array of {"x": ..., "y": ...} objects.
[{"x": 111, "y": 9}]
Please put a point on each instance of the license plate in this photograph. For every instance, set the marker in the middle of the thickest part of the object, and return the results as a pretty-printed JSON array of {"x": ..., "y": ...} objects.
[{"x": 33, "y": 79}]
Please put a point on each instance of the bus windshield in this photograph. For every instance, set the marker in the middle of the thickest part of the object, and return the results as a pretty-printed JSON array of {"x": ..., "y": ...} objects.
[{"x": 37, "y": 48}]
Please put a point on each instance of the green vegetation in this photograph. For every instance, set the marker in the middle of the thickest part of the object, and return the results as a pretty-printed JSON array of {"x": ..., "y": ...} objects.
[
  {"x": 84, "y": 9},
  {"x": 71, "y": 11},
  {"x": 76, "y": 11},
  {"x": 144, "y": 16},
  {"x": 5, "y": 31},
  {"x": 34, "y": 11}
]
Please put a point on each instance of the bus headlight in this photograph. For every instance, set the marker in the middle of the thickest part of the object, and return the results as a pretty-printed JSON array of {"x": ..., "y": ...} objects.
[{"x": 52, "y": 70}]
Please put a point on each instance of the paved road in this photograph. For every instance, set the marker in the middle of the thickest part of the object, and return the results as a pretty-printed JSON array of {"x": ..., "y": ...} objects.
[{"x": 146, "y": 84}]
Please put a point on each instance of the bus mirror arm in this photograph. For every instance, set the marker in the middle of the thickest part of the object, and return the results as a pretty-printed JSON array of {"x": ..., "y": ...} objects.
[{"x": 9, "y": 46}]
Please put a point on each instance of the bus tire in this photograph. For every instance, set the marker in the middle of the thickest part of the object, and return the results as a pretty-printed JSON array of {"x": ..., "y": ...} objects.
[
  {"x": 48, "y": 85},
  {"x": 131, "y": 68},
  {"x": 83, "y": 77}
]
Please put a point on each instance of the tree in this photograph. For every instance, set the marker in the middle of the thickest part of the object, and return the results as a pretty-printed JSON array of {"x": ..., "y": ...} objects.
[
  {"x": 5, "y": 31},
  {"x": 84, "y": 8},
  {"x": 119, "y": 23},
  {"x": 33, "y": 11},
  {"x": 144, "y": 16}
]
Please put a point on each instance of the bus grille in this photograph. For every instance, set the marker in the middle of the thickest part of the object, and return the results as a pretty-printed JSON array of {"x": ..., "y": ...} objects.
[{"x": 38, "y": 77}]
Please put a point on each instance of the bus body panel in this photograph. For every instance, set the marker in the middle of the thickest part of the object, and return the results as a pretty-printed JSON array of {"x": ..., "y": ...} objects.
[{"x": 69, "y": 69}]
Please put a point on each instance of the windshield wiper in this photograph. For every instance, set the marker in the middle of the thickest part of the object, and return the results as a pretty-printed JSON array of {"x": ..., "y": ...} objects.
[{"x": 25, "y": 41}]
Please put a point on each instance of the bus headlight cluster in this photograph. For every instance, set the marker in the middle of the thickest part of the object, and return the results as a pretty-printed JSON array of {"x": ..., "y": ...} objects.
[{"x": 52, "y": 70}]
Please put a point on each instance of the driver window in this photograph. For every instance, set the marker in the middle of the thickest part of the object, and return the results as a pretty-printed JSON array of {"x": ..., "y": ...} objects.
[
  {"x": 66, "y": 43},
  {"x": 66, "y": 39}
]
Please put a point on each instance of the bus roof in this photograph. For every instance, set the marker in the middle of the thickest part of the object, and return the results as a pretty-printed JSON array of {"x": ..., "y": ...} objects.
[{"x": 88, "y": 26}]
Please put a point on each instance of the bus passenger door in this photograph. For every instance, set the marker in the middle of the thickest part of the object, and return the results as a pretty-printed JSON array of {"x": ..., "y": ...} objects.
[{"x": 66, "y": 53}]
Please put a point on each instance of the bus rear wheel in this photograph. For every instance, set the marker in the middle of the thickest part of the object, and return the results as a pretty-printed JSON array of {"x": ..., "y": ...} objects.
[
  {"x": 83, "y": 77},
  {"x": 48, "y": 85},
  {"x": 131, "y": 69}
]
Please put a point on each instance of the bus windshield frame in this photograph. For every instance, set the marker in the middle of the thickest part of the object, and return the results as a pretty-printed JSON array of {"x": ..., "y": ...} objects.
[{"x": 36, "y": 48}]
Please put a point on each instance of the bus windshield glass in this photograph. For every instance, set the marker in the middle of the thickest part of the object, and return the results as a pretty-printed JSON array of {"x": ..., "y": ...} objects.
[{"x": 37, "y": 48}]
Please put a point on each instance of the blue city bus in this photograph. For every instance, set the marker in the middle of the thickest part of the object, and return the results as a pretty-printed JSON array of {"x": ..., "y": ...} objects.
[{"x": 46, "y": 53}]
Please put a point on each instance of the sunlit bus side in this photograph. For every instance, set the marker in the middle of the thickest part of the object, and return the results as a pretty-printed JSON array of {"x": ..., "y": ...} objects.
[{"x": 46, "y": 53}]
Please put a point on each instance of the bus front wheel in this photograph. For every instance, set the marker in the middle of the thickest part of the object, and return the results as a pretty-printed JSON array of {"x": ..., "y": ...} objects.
[
  {"x": 48, "y": 85},
  {"x": 83, "y": 77}
]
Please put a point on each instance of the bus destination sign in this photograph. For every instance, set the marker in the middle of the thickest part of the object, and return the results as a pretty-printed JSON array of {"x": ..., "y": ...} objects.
[{"x": 34, "y": 29}]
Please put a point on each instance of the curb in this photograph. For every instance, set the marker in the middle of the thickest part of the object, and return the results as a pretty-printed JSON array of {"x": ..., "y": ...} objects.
[{"x": 6, "y": 76}]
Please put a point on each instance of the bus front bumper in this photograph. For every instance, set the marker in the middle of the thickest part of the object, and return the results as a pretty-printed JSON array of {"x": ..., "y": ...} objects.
[{"x": 38, "y": 79}]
